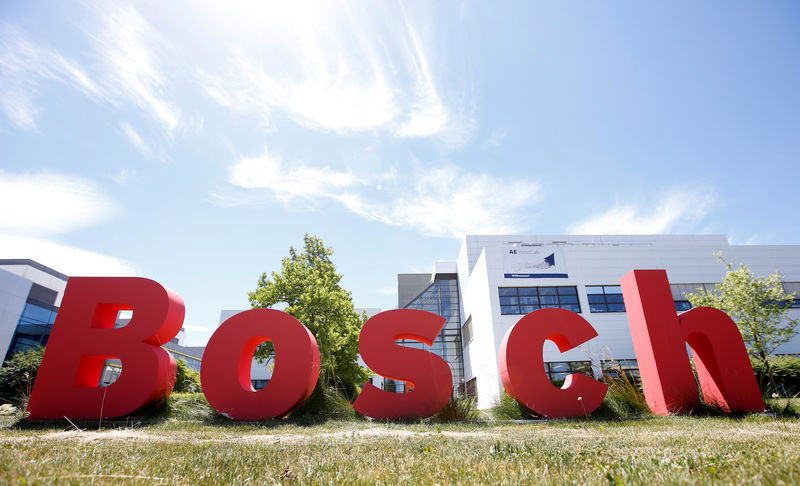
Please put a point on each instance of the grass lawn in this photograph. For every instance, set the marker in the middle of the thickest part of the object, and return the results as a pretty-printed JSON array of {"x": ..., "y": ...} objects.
[{"x": 202, "y": 449}]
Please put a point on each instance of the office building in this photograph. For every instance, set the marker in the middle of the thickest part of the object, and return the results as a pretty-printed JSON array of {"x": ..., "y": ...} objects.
[
  {"x": 30, "y": 294},
  {"x": 496, "y": 280}
]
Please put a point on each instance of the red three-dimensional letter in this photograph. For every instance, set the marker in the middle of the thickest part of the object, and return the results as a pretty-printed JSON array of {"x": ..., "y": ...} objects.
[
  {"x": 522, "y": 365},
  {"x": 428, "y": 374},
  {"x": 84, "y": 337},
  {"x": 225, "y": 370},
  {"x": 660, "y": 337}
]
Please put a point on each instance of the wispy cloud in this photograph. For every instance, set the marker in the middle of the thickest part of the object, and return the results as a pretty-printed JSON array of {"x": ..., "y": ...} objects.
[
  {"x": 437, "y": 201},
  {"x": 121, "y": 177},
  {"x": 675, "y": 210},
  {"x": 495, "y": 139},
  {"x": 24, "y": 66},
  {"x": 128, "y": 48},
  {"x": 140, "y": 144},
  {"x": 54, "y": 203},
  {"x": 340, "y": 69},
  {"x": 128, "y": 70},
  {"x": 288, "y": 182},
  {"x": 66, "y": 259},
  {"x": 448, "y": 202}
]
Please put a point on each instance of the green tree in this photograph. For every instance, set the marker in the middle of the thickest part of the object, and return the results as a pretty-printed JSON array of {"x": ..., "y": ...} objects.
[
  {"x": 758, "y": 305},
  {"x": 308, "y": 287},
  {"x": 18, "y": 375}
]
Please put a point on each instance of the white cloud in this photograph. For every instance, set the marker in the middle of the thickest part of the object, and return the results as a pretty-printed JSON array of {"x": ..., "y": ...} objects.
[
  {"x": 443, "y": 201},
  {"x": 65, "y": 259},
  {"x": 448, "y": 202},
  {"x": 286, "y": 182},
  {"x": 24, "y": 66},
  {"x": 675, "y": 210},
  {"x": 129, "y": 52},
  {"x": 329, "y": 67},
  {"x": 44, "y": 203}
]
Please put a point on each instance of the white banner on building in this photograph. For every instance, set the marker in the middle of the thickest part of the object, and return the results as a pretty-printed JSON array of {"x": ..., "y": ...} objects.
[{"x": 529, "y": 260}]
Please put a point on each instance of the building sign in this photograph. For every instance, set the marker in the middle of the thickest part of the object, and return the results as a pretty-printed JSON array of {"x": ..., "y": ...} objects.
[
  {"x": 531, "y": 260},
  {"x": 84, "y": 337}
]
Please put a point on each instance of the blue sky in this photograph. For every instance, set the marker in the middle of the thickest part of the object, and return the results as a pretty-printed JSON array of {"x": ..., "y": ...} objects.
[{"x": 193, "y": 143}]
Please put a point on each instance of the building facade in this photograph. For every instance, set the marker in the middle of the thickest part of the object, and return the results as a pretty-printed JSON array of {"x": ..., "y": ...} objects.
[
  {"x": 498, "y": 279},
  {"x": 30, "y": 294}
]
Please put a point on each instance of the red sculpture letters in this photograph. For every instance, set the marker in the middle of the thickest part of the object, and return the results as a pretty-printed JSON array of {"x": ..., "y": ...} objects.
[
  {"x": 84, "y": 337},
  {"x": 660, "y": 337},
  {"x": 428, "y": 373},
  {"x": 225, "y": 369},
  {"x": 522, "y": 365}
]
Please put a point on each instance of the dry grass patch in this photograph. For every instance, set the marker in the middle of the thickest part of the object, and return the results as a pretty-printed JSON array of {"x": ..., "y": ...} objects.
[{"x": 754, "y": 450}]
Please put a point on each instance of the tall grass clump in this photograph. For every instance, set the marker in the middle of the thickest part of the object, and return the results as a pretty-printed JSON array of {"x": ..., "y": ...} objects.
[
  {"x": 457, "y": 409},
  {"x": 325, "y": 403},
  {"x": 191, "y": 407},
  {"x": 625, "y": 397},
  {"x": 508, "y": 408}
]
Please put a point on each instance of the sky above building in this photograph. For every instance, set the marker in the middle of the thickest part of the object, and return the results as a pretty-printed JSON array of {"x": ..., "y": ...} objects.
[{"x": 193, "y": 143}]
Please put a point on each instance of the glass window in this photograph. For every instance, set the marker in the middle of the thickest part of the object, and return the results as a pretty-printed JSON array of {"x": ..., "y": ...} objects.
[
  {"x": 616, "y": 367},
  {"x": 605, "y": 298},
  {"x": 559, "y": 370},
  {"x": 466, "y": 330},
  {"x": 790, "y": 287},
  {"x": 524, "y": 300},
  {"x": 441, "y": 298}
]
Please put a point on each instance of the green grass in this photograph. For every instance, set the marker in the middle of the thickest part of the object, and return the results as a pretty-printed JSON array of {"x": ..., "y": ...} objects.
[{"x": 188, "y": 444}]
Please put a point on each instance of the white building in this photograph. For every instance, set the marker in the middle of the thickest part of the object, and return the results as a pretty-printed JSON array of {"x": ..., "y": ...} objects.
[
  {"x": 30, "y": 294},
  {"x": 498, "y": 279}
]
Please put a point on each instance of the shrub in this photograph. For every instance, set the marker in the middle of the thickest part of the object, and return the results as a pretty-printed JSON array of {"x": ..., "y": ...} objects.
[
  {"x": 187, "y": 380},
  {"x": 17, "y": 376},
  {"x": 785, "y": 372}
]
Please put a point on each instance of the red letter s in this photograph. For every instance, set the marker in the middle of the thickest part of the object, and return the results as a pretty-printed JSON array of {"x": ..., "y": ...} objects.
[{"x": 428, "y": 373}]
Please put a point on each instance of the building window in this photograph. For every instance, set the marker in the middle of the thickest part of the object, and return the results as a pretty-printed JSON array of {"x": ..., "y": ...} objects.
[
  {"x": 441, "y": 298},
  {"x": 605, "y": 298},
  {"x": 523, "y": 300},
  {"x": 790, "y": 287},
  {"x": 111, "y": 372},
  {"x": 471, "y": 388},
  {"x": 560, "y": 370},
  {"x": 614, "y": 368},
  {"x": 259, "y": 384},
  {"x": 466, "y": 330}
]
